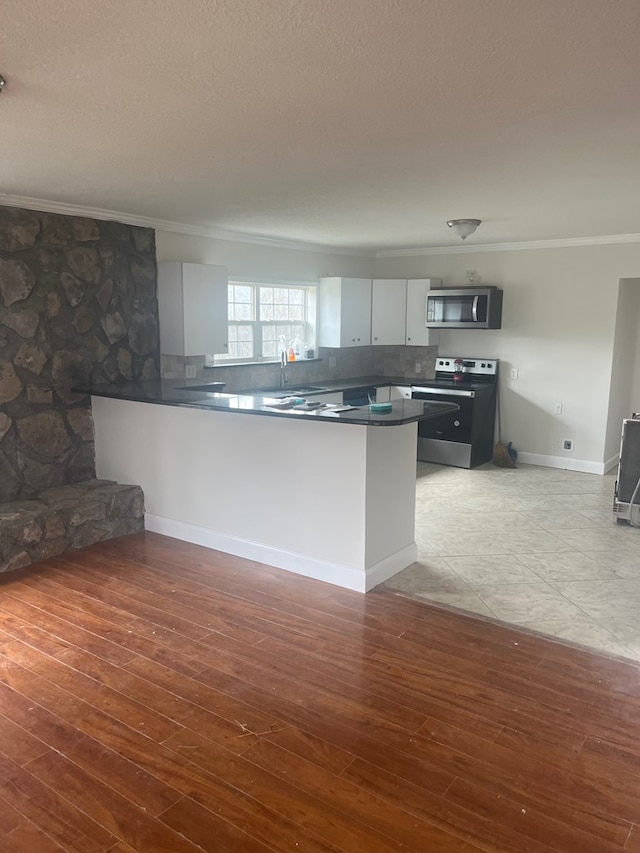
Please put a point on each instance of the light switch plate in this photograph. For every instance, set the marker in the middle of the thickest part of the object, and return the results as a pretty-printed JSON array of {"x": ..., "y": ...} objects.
[{"x": 191, "y": 371}]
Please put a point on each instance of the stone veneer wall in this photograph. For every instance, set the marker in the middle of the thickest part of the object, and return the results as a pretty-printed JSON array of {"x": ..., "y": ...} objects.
[{"x": 77, "y": 304}]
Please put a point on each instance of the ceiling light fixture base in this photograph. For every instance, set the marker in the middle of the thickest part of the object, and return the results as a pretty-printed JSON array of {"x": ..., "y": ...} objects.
[{"x": 463, "y": 227}]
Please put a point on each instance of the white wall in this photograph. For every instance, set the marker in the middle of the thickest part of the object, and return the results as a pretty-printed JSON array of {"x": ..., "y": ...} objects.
[
  {"x": 246, "y": 260},
  {"x": 558, "y": 329},
  {"x": 626, "y": 343},
  {"x": 634, "y": 391}
]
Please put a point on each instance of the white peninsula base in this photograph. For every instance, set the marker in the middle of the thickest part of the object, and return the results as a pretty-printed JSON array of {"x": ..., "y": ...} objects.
[{"x": 330, "y": 501}]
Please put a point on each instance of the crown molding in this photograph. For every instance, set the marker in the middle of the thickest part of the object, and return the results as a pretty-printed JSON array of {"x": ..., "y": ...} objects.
[
  {"x": 47, "y": 206},
  {"x": 563, "y": 243}
]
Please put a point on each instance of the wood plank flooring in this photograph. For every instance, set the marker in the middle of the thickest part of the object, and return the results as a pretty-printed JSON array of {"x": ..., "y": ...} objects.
[{"x": 162, "y": 698}]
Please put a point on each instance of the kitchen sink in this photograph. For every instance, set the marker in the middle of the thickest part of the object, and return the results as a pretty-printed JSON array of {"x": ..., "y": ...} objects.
[
  {"x": 286, "y": 390},
  {"x": 308, "y": 389}
]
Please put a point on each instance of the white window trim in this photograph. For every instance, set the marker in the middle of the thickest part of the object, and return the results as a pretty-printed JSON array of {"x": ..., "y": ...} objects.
[{"x": 311, "y": 286}]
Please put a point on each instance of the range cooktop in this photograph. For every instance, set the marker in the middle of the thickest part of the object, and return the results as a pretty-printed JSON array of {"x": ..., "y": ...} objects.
[{"x": 477, "y": 373}]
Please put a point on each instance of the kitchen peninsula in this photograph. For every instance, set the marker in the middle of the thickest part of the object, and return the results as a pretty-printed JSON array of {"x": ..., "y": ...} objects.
[{"x": 323, "y": 493}]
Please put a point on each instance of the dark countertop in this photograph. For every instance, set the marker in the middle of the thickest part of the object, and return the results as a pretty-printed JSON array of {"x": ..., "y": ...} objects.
[
  {"x": 173, "y": 392},
  {"x": 330, "y": 385}
]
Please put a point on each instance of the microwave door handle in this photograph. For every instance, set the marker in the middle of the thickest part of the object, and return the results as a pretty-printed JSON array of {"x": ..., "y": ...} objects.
[{"x": 474, "y": 309}]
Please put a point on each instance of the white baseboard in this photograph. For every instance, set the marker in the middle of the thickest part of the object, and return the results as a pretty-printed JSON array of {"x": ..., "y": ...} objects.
[
  {"x": 390, "y": 566},
  {"x": 344, "y": 576},
  {"x": 611, "y": 463},
  {"x": 565, "y": 463}
]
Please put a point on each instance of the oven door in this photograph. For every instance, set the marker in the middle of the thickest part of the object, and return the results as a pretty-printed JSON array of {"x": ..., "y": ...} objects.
[
  {"x": 446, "y": 439},
  {"x": 452, "y": 427}
]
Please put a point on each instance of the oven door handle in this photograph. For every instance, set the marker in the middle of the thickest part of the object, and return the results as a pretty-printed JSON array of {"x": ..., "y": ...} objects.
[
  {"x": 440, "y": 392},
  {"x": 474, "y": 309}
]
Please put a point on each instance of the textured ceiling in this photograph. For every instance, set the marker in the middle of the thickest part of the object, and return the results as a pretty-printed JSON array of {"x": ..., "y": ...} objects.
[{"x": 349, "y": 123}]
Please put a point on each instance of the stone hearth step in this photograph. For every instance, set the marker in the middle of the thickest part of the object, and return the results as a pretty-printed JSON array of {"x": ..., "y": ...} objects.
[{"x": 65, "y": 518}]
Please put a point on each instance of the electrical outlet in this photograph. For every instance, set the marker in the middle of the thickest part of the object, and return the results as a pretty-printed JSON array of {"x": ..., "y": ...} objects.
[
  {"x": 332, "y": 361},
  {"x": 418, "y": 367},
  {"x": 567, "y": 444},
  {"x": 514, "y": 372},
  {"x": 557, "y": 408},
  {"x": 191, "y": 371}
]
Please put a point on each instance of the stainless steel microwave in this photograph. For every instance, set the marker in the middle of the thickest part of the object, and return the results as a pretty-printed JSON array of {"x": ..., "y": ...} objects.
[{"x": 464, "y": 308}]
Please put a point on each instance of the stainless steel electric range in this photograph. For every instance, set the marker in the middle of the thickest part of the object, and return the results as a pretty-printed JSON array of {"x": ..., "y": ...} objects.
[{"x": 466, "y": 438}]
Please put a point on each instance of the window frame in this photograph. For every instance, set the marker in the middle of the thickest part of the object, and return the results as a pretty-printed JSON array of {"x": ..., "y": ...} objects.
[{"x": 308, "y": 324}]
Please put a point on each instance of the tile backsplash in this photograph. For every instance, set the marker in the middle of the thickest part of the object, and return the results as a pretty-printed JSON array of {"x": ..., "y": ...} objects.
[{"x": 350, "y": 362}]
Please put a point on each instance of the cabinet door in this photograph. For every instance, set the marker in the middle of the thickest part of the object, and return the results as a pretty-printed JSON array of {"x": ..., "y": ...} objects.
[
  {"x": 355, "y": 326},
  {"x": 400, "y": 392},
  {"x": 388, "y": 311},
  {"x": 417, "y": 333},
  {"x": 344, "y": 312},
  {"x": 192, "y": 308},
  {"x": 205, "y": 289}
]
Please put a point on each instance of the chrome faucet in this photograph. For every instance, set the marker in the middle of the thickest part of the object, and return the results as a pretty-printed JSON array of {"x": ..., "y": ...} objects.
[{"x": 283, "y": 364}]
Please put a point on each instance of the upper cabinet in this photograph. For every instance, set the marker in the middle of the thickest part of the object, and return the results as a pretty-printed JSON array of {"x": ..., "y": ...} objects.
[
  {"x": 356, "y": 312},
  {"x": 417, "y": 334},
  {"x": 344, "y": 315},
  {"x": 192, "y": 308},
  {"x": 388, "y": 310}
]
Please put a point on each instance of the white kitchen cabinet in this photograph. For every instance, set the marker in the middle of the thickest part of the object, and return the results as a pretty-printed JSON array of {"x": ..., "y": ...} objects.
[
  {"x": 417, "y": 334},
  {"x": 389, "y": 393},
  {"x": 356, "y": 312},
  {"x": 192, "y": 308},
  {"x": 400, "y": 392},
  {"x": 388, "y": 311},
  {"x": 344, "y": 315}
]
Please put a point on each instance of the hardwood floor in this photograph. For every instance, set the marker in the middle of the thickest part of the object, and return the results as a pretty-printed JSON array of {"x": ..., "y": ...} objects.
[{"x": 161, "y": 698}]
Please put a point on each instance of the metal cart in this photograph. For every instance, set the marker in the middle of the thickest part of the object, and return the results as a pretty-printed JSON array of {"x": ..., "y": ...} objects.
[{"x": 626, "y": 498}]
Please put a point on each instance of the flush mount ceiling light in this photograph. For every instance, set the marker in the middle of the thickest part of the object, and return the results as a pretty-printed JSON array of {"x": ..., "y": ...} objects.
[{"x": 464, "y": 227}]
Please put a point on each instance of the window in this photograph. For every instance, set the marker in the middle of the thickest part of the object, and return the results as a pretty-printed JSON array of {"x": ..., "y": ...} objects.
[{"x": 263, "y": 314}]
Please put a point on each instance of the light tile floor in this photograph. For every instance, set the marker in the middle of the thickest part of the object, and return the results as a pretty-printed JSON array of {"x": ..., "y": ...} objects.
[{"x": 535, "y": 547}]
